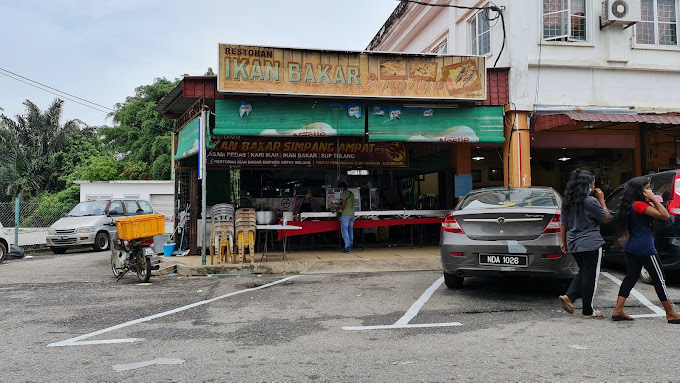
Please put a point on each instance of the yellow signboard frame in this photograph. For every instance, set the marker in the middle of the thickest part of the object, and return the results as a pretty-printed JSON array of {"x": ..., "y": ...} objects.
[{"x": 304, "y": 72}]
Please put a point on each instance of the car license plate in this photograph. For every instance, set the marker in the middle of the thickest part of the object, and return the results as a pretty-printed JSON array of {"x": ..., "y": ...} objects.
[
  {"x": 503, "y": 259},
  {"x": 149, "y": 251}
]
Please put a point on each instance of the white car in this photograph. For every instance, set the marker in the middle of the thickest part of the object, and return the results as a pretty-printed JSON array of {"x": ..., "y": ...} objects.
[{"x": 88, "y": 223}]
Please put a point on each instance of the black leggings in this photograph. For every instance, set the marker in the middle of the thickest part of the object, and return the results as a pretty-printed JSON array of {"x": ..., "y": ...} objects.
[
  {"x": 584, "y": 285},
  {"x": 634, "y": 265}
]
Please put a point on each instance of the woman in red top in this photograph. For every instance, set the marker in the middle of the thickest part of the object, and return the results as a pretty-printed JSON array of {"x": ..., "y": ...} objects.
[{"x": 639, "y": 206}]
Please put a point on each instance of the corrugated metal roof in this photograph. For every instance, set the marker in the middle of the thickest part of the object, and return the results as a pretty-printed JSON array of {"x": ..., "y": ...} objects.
[{"x": 549, "y": 121}]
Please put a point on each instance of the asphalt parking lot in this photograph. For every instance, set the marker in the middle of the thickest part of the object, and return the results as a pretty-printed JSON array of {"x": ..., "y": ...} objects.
[{"x": 70, "y": 313}]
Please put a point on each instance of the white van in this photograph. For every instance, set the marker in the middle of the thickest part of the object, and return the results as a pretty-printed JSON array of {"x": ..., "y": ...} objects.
[{"x": 88, "y": 223}]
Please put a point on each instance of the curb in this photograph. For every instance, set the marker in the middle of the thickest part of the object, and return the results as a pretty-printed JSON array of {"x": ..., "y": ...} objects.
[{"x": 313, "y": 267}]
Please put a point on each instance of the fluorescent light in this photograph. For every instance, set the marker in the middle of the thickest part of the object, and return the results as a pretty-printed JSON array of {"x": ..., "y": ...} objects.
[
  {"x": 564, "y": 158},
  {"x": 358, "y": 172}
]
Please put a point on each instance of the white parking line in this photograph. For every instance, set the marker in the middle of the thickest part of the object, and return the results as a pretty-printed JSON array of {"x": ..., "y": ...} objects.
[
  {"x": 410, "y": 314},
  {"x": 78, "y": 341},
  {"x": 658, "y": 311}
]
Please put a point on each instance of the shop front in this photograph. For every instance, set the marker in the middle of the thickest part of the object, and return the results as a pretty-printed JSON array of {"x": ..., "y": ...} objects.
[
  {"x": 614, "y": 146},
  {"x": 400, "y": 130}
]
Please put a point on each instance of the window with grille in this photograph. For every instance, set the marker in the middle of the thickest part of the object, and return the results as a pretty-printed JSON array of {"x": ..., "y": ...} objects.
[
  {"x": 565, "y": 20},
  {"x": 659, "y": 24},
  {"x": 481, "y": 34}
]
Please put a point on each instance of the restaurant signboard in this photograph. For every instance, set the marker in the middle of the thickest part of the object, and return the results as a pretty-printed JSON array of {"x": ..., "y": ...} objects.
[
  {"x": 286, "y": 71},
  {"x": 320, "y": 152}
]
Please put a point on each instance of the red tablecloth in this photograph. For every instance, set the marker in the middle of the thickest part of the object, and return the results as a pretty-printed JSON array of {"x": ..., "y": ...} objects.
[{"x": 310, "y": 227}]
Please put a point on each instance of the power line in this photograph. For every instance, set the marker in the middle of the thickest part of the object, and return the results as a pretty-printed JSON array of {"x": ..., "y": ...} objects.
[
  {"x": 60, "y": 94},
  {"x": 486, "y": 9}
]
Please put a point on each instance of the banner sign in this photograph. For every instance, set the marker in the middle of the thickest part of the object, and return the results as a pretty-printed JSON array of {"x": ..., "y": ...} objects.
[
  {"x": 284, "y": 71},
  {"x": 317, "y": 152}
]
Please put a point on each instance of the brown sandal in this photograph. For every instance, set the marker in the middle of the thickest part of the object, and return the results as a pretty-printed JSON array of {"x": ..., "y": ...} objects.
[
  {"x": 567, "y": 305},
  {"x": 595, "y": 315}
]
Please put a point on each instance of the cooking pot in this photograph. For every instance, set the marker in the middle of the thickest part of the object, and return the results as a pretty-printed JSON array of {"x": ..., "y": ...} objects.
[{"x": 265, "y": 217}]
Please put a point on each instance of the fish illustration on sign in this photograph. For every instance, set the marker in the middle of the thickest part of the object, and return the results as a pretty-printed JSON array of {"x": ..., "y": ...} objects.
[
  {"x": 378, "y": 110},
  {"x": 395, "y": 113},
  {"x": 354, "y": 110},
  {"x": 244, "y": 107}
]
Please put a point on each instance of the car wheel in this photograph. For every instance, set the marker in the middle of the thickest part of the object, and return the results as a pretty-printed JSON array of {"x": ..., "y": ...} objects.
[
  {"x": 58, "y": 250},
  {"x": 453, "y": 281},
  {"x": 644, "y": 276},
  {"x": 101, "y": 242},
  {"x": 3, "y": 252}
]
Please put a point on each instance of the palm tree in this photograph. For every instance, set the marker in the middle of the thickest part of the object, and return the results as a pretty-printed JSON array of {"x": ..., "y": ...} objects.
[{"x": 29, "y": 143}]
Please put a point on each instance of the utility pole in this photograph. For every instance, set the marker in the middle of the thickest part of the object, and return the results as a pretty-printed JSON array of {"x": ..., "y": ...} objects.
[{"x": 202, "y": 147}]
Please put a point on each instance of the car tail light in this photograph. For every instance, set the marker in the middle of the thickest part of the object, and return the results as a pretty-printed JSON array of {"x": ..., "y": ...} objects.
[
  {"x": 554, "y": 226},
  {"x": 451, "y": 225},
  {"x": 553, "y": 256},
  {"x": 456, "y": 254},
  {"x": 674, "y": 199}
]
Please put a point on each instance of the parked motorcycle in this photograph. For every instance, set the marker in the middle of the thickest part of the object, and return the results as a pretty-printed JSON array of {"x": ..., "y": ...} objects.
[{"x": 132, "y": 255}]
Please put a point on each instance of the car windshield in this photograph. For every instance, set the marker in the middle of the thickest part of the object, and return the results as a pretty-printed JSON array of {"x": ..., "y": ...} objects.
[
  {"x": 88, "y": 208},
  {"x": 510, "y": 198}
]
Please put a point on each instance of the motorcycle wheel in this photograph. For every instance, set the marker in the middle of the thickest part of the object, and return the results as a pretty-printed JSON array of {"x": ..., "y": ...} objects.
[
  {"x": 143, "y": 266},
  {"x": 116, "y": 272}
]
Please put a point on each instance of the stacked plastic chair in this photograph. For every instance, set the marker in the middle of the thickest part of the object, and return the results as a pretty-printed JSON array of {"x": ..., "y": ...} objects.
[
  {"x": 222, "y": 233},
  {"x": 245, "y": 234}
]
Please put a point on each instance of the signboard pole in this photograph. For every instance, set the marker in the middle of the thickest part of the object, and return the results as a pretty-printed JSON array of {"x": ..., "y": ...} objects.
[{"x": 202, "y": 175}]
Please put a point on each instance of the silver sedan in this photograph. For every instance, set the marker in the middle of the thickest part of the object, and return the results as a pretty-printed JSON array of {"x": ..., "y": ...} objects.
[{"x": 505, "y": 231}]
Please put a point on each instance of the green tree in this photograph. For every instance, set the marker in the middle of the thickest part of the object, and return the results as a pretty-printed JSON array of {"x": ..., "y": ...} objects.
[
  {"x": 99, "y": 168},
  {"x": 37, "y": 136},
  {"x": 80, "y": 148},
  {"x": 137, "y": 125}
]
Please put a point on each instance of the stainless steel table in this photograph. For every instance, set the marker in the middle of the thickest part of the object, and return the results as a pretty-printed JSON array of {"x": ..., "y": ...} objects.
[{"x": 284, "y": 238}]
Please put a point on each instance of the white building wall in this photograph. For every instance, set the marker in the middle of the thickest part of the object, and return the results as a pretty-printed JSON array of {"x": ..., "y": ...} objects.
[{"x": 609, "y": 70}]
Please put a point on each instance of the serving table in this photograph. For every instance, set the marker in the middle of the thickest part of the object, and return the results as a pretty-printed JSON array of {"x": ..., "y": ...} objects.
[{"x": 283, "y": 236}]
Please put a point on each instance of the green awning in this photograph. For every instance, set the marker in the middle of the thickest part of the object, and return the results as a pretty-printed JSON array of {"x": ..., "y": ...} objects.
[
  {"x": 280, "y": 118},
  {"x": 187, "y": 140},
  {"x": 465, "y": 124}
]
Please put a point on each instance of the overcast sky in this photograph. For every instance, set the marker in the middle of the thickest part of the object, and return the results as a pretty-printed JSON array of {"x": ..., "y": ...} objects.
[{"x": 101, "y": 50}]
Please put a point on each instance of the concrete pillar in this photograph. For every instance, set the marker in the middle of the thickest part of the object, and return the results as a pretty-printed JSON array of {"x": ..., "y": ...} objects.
[{"x": 517, "y": 149}]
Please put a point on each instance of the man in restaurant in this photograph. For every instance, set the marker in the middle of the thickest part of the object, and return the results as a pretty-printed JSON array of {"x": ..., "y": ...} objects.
[
  {"x": 306, "y": 204},
  {"x": 347, "y": 218}
]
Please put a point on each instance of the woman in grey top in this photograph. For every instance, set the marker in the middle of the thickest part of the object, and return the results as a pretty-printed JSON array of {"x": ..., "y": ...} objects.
[{"x": 583, "y": 209}]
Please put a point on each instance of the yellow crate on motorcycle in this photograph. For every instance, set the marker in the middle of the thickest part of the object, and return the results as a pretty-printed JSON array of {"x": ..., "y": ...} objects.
[{"x": 140, "y": 226}]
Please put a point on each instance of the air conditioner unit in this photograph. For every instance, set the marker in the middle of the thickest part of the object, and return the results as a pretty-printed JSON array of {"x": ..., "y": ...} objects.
[{"x": 623, "y": 12}]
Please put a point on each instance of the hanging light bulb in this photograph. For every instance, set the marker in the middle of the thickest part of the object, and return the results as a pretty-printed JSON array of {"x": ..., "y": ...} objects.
[
  {"x": 479, "y": 156},
  {"x": 564, "y": 157}
]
